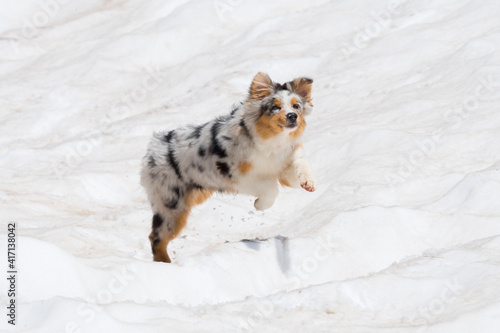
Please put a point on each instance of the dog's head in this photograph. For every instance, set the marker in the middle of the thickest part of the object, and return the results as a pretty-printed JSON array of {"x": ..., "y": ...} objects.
[{"x": 279, "y": 108}]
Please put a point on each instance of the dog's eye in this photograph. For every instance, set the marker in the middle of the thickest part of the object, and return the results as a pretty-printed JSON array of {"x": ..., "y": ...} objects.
[
  {"x": 296, "y": 106},
  {"x": 275, "y": 108}
]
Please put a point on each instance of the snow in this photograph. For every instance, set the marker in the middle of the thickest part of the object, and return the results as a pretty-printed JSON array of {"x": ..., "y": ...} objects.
[{"x": 402, "y": 234}]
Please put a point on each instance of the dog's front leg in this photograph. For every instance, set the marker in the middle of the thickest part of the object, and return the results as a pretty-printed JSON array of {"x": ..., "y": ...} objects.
[
  {"x": 265, "y": 189},
  {"x": 298, "y": 172}
]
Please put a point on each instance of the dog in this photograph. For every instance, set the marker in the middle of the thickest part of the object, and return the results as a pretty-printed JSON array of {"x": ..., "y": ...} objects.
[{"x": 248, "y": 151}]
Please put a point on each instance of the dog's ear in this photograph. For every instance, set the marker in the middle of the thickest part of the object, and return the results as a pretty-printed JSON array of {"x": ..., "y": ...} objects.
[
  {"x": 302, "y": 86},
  {"x": 261, "y": 86}
]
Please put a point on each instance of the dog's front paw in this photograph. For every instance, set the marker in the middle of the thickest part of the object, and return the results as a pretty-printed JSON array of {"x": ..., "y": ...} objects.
[{"x": 307, "y": 182}]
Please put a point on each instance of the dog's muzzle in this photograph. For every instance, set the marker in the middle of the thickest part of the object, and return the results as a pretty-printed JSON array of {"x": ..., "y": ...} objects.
[{"x": 291, "y": 119}]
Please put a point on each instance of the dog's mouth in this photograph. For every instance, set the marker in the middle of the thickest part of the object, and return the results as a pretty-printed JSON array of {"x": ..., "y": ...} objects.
[{"x": 291, "y": 125}]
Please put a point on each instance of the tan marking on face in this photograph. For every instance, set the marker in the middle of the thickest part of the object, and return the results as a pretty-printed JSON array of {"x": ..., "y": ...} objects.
[
  {"x": 294, "y": 101},
  {"x": 300, "y": 129},
  {"x": 277, "y": 102},
  {"x": 244, "y": 167},
  {"x": 268, "y": 126}
]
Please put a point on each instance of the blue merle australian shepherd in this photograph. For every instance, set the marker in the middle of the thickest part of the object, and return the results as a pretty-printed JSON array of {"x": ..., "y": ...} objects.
[{"x": 250, "y": 151}]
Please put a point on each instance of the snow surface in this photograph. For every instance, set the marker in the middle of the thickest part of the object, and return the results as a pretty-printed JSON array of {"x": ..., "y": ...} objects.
[{"x": 402, "y": 234}]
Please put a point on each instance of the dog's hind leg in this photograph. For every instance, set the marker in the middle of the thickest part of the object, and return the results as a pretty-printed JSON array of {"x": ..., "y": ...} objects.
[
  {"x": 169, "y": 221},
  {"x": 163, "y": 231},
  {"x": 158, "y": 244}
]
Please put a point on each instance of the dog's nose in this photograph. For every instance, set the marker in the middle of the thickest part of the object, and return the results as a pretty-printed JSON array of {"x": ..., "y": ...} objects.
[{"x": 291, "y": 116}]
